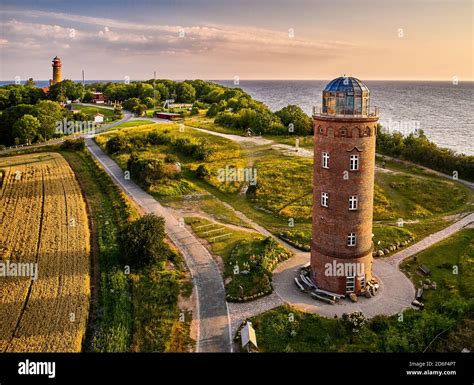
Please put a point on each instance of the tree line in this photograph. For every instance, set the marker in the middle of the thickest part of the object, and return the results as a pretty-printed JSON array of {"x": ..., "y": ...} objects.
[{"x": 418, "y": 149}]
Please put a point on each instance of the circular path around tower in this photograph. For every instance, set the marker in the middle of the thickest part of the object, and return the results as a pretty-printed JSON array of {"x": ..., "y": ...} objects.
[{"x": 395, "y": 294}]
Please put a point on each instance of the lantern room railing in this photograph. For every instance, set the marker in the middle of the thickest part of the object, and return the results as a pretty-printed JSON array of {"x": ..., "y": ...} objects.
[{"x": 372, "y": 112}]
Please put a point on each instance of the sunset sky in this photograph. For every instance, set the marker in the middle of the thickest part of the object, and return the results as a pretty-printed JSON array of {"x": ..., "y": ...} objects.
[{"x": 220, "y": 39}]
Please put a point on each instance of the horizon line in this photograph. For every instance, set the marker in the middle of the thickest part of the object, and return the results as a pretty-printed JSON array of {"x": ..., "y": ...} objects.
[{"x": 246, "y": 79}]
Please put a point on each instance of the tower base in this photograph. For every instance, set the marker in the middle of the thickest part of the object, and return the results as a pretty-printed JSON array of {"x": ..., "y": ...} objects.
[{"x": 341, "y": 275}]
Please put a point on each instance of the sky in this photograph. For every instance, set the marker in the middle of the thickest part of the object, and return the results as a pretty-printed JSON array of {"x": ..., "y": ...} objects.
[{"x": 224, "y": 39}]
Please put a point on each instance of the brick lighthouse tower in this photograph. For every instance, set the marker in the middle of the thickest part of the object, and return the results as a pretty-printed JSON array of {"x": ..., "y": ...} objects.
[
  {"x": 344, "y": 163},
  {"x": 57, "y": 72}
]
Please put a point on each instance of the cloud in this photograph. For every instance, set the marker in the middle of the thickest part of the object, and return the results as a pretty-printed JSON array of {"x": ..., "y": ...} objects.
[{"x": 93, "y": 34}]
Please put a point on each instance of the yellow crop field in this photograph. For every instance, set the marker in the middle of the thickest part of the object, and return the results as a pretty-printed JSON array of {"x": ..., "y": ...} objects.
[{"x": 43, "y": 228}]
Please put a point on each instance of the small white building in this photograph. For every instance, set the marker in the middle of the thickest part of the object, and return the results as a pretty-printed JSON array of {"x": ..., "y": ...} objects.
[{"x": 98, "y": 118}]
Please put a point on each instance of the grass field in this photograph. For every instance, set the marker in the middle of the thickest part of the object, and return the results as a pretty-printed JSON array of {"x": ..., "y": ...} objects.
[
  {"x": 132, "y": 123},
  {"x": 92, "y": 110},
  {"x": 43, "y": 220},
  {"x": 282, "y": 199}
]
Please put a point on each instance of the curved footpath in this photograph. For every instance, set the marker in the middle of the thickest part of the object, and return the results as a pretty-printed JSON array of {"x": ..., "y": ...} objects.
[{"x": 213, "y": 319}]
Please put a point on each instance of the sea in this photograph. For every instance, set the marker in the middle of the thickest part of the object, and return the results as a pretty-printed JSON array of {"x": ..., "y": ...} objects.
[{"x": 443, "y": 110}]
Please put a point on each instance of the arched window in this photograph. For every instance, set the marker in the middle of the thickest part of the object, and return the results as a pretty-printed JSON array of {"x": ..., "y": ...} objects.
[{"x": 355, "y": 133}]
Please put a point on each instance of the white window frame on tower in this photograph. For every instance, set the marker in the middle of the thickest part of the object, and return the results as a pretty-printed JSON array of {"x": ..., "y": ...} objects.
[
  {"x": 325, "y": 199},
  {"x": 325, "y": 160},
  {"x": 353, "y": 203},
  {"x": 351, "y": 239},
  {"x": 354, "y": 162}
]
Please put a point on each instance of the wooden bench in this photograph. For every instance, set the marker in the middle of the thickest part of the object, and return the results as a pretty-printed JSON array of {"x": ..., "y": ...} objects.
[{"x": 424, "y": 270}]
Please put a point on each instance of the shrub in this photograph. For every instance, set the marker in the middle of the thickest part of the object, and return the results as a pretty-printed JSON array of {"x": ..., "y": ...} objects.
[
  {"x": 142, "y": 241},
  {"x": 213, "y": 110},
  {"x": 117, "y": 144},
  {"x": 170, "y": 158},
  {"x": 418, "y": 149},
  {"x": 202, "y": 171},
  {"x": 74, "y": 144},
  {"x": 157, "y": 138}
]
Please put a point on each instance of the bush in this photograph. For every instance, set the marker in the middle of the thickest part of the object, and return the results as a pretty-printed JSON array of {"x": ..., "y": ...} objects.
[
  {"x": 196, "y": 149},
  {"x": 202, "y": 171},
  {"x": 146, "y": 171},
  {"x": 157, "y": 138},
  {"x": 170, "y": 158},
  {"x": 418, "y": 149},
  {"x": 117, "y": 144},
  {"x": 142, "y": 241},
  {"x": 194, "y": 111},
  {"x": 213, "y": 110},
  {"x": 74, "y": 144}
]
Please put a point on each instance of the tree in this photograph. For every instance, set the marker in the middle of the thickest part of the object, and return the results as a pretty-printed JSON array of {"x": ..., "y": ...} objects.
[
  {"x": 139, "y": 110},
  {"x": 49, "y": 114},
  {"x": 149, "y": 103},
  {"x": 131, "y": 103},
  {"x": 294, "y": 115},
  {"x": 162, "y": 90},
  {"x": 9, "y": 117},
  {"x": 213, "y": 110},
  {"x": 142, "y": 241},
  {"x": 15, "y": 97},
  {"x": 185, "y": 93},
  {"x": 65, "y": 90},
  {"x": 26, "y": 128}
]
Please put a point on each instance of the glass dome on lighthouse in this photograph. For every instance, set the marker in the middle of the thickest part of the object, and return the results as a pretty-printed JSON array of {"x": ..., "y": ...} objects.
[{"x": 346, "y": 96}]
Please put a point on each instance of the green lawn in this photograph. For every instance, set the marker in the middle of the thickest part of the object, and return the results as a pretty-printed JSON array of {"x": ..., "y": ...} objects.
[
  {"x": 201, "y": 121},
  {"x": 133, "y": 123},
  {"x": 91, "y": 110}
]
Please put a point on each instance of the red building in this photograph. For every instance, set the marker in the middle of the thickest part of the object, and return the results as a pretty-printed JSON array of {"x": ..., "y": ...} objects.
[
  {"x": 167, "y": 115},
  {"x": 98, "y": 98},
  {"x": 344, "y": 164}
]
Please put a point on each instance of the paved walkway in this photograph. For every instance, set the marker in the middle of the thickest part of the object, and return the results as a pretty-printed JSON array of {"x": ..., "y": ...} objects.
[
  {"x": 213, "y": 317},
  {"x": 239, "y": 312},
  {"x": 430, "y": 240}
]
